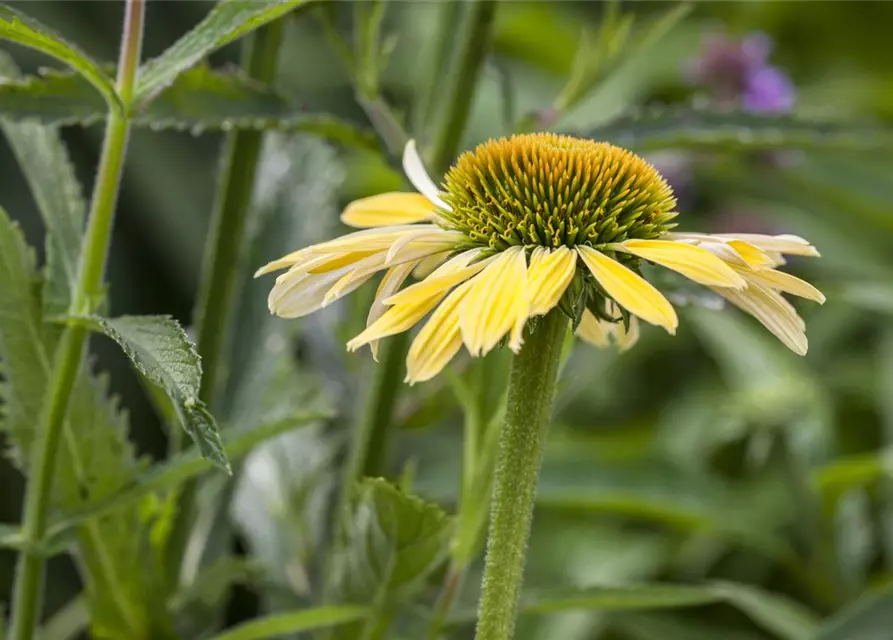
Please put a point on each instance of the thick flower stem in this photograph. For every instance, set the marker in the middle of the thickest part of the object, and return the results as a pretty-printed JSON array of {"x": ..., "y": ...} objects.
[
  {"x": 531, "y": 388},
  {"x": 70, "y": 352}
]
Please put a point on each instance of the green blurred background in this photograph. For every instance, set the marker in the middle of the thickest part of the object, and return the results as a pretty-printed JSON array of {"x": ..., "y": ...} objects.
[{"x": 683, "y": 459}]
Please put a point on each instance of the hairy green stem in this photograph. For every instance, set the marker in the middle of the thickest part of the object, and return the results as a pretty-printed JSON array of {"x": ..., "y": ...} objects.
[
  {"x": 221, "y": 268},
  {"x": 464, "y": 81},
  {"x": 531, "y": 389},
  {"x": 70, "y": 352}
]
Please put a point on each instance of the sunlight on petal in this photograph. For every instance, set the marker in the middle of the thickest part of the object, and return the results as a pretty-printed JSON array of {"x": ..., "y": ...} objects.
[
  {"x": 548, "y": 276},
  {"x": 438, "y": 341},
  {"x": 496, "y": 304},
  {"x": 782, "y": 281},
  {"x": 693, "y": 262},
  {"x": 418, "y": 176},
  {"x": 387, "y": 209},
  {"x": 773, "y": 312},
  {"x": 630, "y": 290}
]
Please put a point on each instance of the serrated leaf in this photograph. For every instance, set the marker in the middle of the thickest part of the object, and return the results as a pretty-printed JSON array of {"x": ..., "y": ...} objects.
[
  {"x": 703, "y": 128},
  {"x": 27, "y": 31},
  {"x": 198, "y": 100},
  {"x": 96, "y": 459},
  {"x": 392, "y": 542},
  {"x": 159, "y": 478},
  {"x": 160, "y": 350},
  {"x": 282, "y": 624},
  {"x": 226, "y": 22},
  {"x": 43, "y": 159},
  {"x": 868, "y": 618}
]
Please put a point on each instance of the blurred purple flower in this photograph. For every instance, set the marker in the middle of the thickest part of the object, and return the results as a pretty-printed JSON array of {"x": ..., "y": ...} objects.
[{"x": 737, "y": 73}]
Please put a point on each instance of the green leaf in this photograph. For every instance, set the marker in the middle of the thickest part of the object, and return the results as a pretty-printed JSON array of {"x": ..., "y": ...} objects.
[
  {"x": 96, "y": 458},
  {"x": 868, "y": 618},
  {"x": 703, "y": 128},
  {"x": 774, "y": 612},
  {"x": 26, "y": 31},
  {"x": 162, "y": 477},
  {"x": 199, "y": 100},
  {"x": 392, "y": 542},
  {"x": 655, "y": 626},
  {"x": 622, "y": 598},
  {"x": 281, "y": 624},
  {"x": 67, "y": 623},
  {"x": 160, "y": 350},
  {"x": 44, "y": 161},
  {"x": 226, "y": 22}
]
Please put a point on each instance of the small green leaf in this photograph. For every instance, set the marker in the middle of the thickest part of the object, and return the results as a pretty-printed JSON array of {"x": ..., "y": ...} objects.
[
  {"x": 21, "y": 29},
  {"x": 278, "y": 625},
  {"x": 868, "y": 618},
  {"x": 392, "y": 542},
  {"x": 198, "y": 100},
  {"x": 44, "y": 161},
  {"x": 702, "y": 128},
  {"x": 774, "y": 612},
  {"x": 160, "y": 349},
  {"x": 226, "y": 22},
  {"x": 648, "y": 596}
]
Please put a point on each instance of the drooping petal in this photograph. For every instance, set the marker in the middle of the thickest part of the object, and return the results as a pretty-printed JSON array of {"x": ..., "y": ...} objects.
[
  {"x": 784, "y": 243},
  {"x": 418, "y": 176},
  {"x": 438, "y": 341},
  {"x": 627, "y": 338},
  {"x": 390, "y": 283},
  {"x": 496, "y": 304},
  {"x": 381, "y": 238},
  {"x": 283, "y": 263},
  {"x": 630, "y": 290},
  {"x": 396, "y": 319},
  {"x": 774, "y": 279},
  {"x": 593, "y": 330},
  {"x": 754, "y": 256},
  {"x": 428, "y": 265},
  {"x": 691, "y": 261},
  {"x": 773, "y": 312},
  {"x": 387, "y": 209},
  {"x": 548, "y": 276},
  {"x": 456, "y": 270}
]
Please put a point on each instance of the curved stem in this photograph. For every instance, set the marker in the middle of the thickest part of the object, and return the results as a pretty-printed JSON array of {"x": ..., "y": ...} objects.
[
  {"x": 70, "y": 352},
  {"x": 531, "y": 388},
  {"x": 464, "y": 82}
]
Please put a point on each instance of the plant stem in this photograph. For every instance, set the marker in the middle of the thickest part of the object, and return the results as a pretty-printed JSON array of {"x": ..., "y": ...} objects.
[
  {"x": 531, "y": 388},
  {"x": 221, "y": 267},
  {"x": 473, "y": 50},
  {"x": 72, "y": 345},
  {"x": 220, "y": 271}
]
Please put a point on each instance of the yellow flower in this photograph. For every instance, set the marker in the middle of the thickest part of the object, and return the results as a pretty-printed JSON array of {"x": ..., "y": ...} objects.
[{"x": 524, "y": 225}]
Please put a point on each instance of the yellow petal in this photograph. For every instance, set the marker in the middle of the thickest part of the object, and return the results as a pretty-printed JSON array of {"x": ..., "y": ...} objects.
[
  {"x": 773, "y": 312},
  {"x": 438, "y": 341},
  {"x": 496, "y": 304},
  {"x": 396, "y": 319},
  {"x": 630, "y": 290},
  {"x": 331, "y": 262},
  {"x": 593, "y": 330},
  {"x": 391, "y": 282},
  {"x": 624, "y": 338},
  {"x": 693, "y": 262},
  {"x": 448, "y": 275},
  {"x": 418, "y": 176},
  {"x": 755, "y": 257},
  {"x": 548, "y": 276},
  {"x": 387, "y": 209},
  {"x": 428, "y": 265},
  {"x": 282, "y": 263},
  {"x": 784, "y": 243},
  {"x": 782, "y": 281},
  {"x": 381, "y": 238}
]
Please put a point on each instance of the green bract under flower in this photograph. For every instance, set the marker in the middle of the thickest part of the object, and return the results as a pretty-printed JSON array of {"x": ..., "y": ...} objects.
[{"x": 552, "y": 190}]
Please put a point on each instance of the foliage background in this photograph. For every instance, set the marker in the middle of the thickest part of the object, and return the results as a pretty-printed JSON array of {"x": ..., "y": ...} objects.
[{"x": 675, "y": 461}]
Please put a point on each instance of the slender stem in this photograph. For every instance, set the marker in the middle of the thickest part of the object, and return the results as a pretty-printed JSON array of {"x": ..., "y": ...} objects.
[
  {"x": 221, "y": 268},
  {"x": 473, "y": 50},
  {"x": 70, "y": 352},
  {"x": 531, "y": 388},
  {"x": 220, "y": 272}
]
